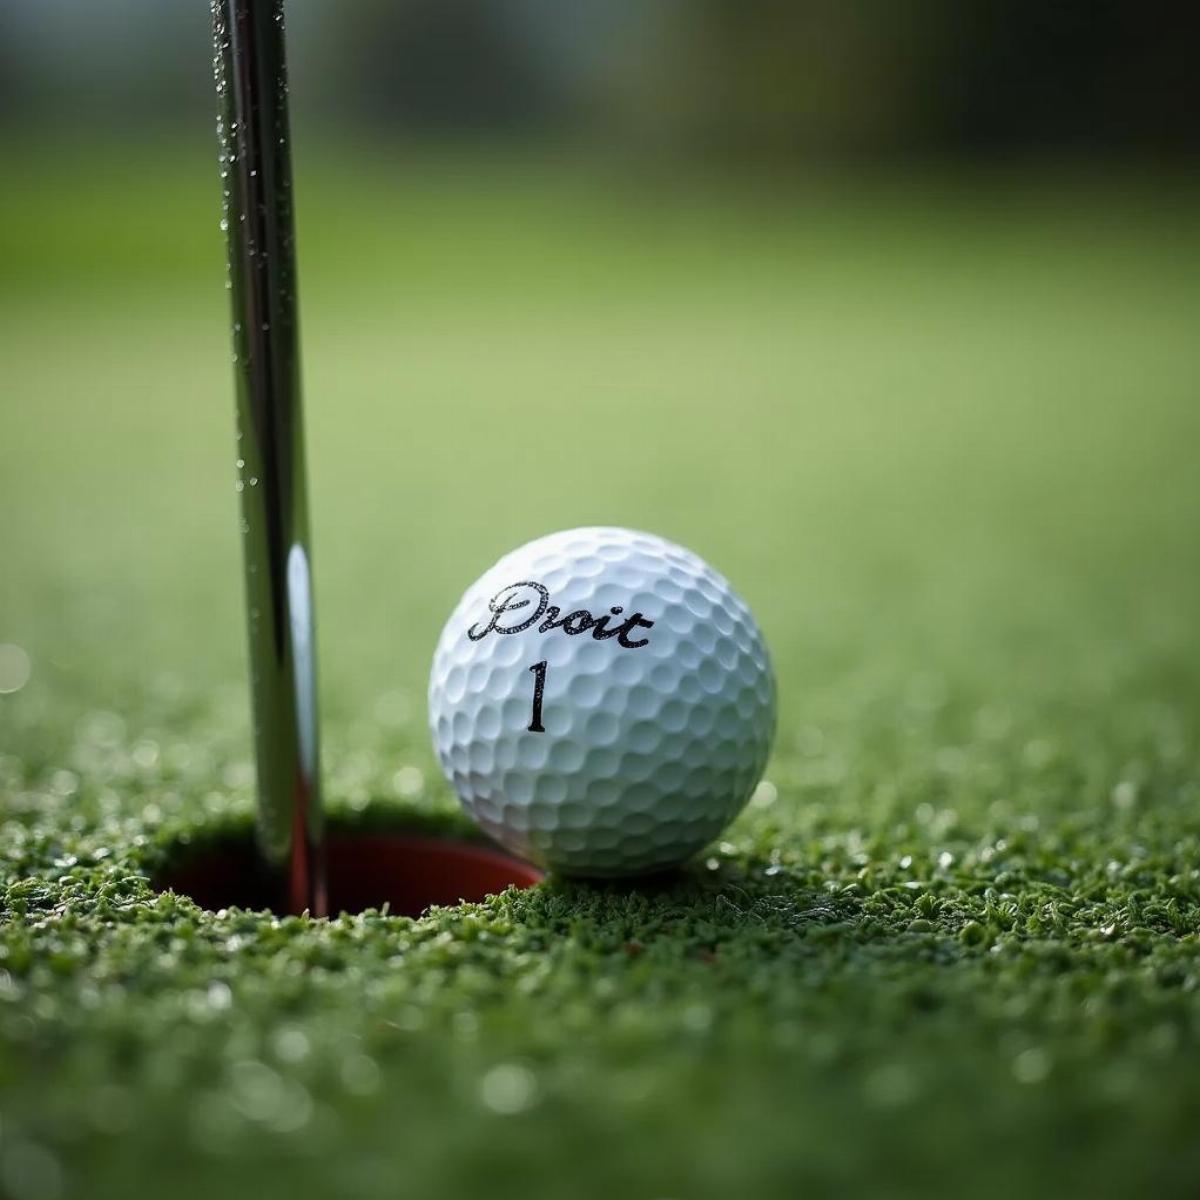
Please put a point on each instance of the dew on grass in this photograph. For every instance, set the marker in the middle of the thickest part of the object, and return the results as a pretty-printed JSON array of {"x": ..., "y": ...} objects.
[
  {"x": 508, "y": 1089},
  {"x": 408, "y": 782},
  {"x": 64, "y": 783},
  {"x": 256, "y": 1091},
  {"x": 15, "y": 668},
  {"x": 1031, "y": 1066},
  {"x": 1124, "y": 795},
  {"x": 291, "y": 1045},
  {"x": 765, "y": 794}
]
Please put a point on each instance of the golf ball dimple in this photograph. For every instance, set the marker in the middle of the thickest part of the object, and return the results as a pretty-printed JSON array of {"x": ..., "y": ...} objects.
[{"x": 602, "y": 702}]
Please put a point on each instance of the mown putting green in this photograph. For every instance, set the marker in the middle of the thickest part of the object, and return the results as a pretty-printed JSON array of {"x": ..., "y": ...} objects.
[{"x": 941, "y": 435}]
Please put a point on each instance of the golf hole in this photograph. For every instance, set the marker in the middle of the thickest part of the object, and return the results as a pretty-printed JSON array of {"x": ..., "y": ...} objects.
[{"x": 407, "y": 872}]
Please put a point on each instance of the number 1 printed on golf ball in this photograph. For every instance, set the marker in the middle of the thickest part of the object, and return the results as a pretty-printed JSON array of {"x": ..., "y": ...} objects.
[
  {"x": 539, "y": 689},
  {"x": 602, "y": 701}
]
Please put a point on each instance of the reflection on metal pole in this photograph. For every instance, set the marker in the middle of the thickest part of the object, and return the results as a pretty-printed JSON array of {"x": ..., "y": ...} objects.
[{"x": 256, "y": 177}]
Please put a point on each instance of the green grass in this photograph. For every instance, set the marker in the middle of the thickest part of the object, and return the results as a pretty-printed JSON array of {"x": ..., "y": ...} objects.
[{"x": 940, "y": 433}]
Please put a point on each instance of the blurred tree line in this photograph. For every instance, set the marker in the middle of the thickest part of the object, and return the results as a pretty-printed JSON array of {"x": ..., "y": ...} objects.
[{"x": 779, "y": 79}]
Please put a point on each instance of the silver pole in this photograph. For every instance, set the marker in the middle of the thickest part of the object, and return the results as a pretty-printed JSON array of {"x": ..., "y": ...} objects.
[{"x": 256, "y": 178}]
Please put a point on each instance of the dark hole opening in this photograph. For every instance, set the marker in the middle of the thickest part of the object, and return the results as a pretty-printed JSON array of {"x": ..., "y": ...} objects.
[{"x": 408, "y": 873}]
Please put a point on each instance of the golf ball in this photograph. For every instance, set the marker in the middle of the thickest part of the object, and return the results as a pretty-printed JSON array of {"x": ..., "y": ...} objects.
[{"x": 602, "y": 702}]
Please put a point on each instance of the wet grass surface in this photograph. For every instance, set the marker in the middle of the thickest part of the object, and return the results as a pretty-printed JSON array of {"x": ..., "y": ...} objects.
[{"x": 941, "y": 435}]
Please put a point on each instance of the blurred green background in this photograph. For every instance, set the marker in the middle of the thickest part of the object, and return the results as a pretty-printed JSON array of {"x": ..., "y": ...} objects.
[
  {"x": 889, "y": 312},
  {"x": 862, "y": 303}
]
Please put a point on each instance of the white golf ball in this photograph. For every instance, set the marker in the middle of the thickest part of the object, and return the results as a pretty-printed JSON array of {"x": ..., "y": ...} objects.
[{"x": 602, "y": 702}]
